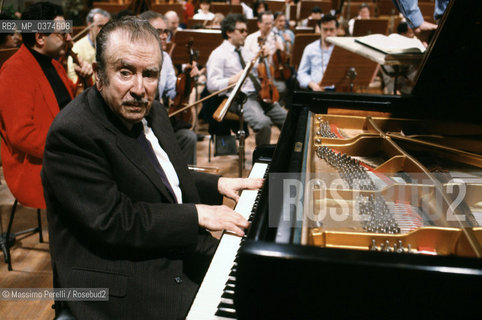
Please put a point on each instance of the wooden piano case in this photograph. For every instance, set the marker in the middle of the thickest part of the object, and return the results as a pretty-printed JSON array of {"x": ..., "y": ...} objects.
[{"x": 381, "y": 210}]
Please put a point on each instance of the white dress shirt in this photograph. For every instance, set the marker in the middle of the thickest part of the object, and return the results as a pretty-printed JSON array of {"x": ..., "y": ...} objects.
[
  {"x": 251, "y": 43},
  {"x": 164, "y": 161},
  {"x": 167, "y": 79},
  {"x": 203, "y": 16},
  {"x": 224, "y": 63}
]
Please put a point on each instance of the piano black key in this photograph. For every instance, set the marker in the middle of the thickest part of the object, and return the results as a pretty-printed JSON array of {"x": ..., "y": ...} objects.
[{"x": 227, "y": 295}]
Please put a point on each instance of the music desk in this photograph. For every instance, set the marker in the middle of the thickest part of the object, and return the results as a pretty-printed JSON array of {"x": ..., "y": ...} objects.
[
  {"x": 381, "y": 58},
  {"x": 400, "y": 63}
]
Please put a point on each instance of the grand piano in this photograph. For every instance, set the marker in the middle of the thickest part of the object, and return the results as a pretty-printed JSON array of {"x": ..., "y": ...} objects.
[
  {"x": 372, "y": 205},
  {"x": 415, "y": 250}
]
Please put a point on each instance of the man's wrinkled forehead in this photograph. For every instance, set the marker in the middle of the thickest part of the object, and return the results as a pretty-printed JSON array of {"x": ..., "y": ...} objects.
[{"x": 121, "y": 42}]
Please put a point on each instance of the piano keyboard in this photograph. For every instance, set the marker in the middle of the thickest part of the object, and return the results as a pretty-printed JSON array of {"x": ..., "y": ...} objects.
[{"x": 214, "y": 300}]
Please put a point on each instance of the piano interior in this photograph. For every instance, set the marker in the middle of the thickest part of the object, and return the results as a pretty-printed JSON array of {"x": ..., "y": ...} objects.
[
  {"x": 373, "y": 206},
  {"x": 393, "y": 185}
]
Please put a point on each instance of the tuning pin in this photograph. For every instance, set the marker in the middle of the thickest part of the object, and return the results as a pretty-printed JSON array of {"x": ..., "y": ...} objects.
[
  {"x": 387, "y": 246},
  {"x": 400, "y": 247},
  {"x": 373, "y": 246}
]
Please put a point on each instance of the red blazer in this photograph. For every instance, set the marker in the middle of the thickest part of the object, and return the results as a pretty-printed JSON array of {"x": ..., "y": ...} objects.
[{"x": 27, "y": 108}]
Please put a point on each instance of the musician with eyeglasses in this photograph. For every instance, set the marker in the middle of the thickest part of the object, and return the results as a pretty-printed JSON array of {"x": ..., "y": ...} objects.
[
  {"x": 33, "y": 88},
  {"x": 225, "y": 66}
]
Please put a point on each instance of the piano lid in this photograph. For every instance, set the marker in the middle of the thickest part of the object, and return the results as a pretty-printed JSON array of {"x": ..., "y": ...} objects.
[{"x": 450, "y": 76}]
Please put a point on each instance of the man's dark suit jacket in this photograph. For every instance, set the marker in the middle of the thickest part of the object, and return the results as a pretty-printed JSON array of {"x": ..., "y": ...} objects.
[{"x": 113, "y": 224}]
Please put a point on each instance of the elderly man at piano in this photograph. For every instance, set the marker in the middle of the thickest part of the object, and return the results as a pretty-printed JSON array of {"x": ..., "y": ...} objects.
[
  {"x": 124, "y": 211},
  {"x": 316, "y": 56}
]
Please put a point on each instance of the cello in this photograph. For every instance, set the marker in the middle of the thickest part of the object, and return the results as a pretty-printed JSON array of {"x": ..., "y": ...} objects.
[
  {"x": 184, "y": 85},
  {"x": 268, "y": 93}
]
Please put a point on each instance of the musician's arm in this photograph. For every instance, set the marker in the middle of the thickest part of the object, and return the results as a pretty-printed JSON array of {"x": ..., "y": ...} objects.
[
  {"x": 170, "y": 88},
  {"x": 411, "y": 11},
  {"x": 304, "y": 70}
]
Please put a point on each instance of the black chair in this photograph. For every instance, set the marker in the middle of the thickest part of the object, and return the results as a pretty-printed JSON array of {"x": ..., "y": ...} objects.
[
  {"x": 224, "y": 142},
  {"x": 7, "y": 240}
]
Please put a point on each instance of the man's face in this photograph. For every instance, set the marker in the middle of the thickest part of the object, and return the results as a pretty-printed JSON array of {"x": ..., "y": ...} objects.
[
  {"x": 132, "y": 72},
  {"x": 364, "y": 13},
  {"x": 98, "y": 23},
  {"x": 266, "y": 24},
  {"x": 239, "y": 34},
  {"x": 173, "y": 22},
  {"x": 204, "y": 6},
  {"x": 161, "y": 27},
  {"x": 280, "y": 22},
  {"x": 328, "y": 29},
  {"x": 13, "y": 40},
  {"x": 54, "y": 43}
]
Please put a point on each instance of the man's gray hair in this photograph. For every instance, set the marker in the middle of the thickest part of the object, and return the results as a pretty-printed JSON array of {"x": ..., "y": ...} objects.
[
  {"x": 93, "y": 12},
  {"x": 137, "y": 29},
  {"x": 152, "y": 15}
]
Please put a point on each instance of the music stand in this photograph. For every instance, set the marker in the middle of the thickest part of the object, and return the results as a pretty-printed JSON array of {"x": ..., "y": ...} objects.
[
  {"x": 346, "y": 70},
  {"x": 205, "y": 41},
  {"x": 365, "y": 27}
]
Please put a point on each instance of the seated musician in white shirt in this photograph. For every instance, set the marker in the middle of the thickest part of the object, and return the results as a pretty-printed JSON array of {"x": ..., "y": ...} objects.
[
  {"x": 224, "y": 68},
  {"x": 203, "y": 13},
  {"x": 272, "y": 42}
]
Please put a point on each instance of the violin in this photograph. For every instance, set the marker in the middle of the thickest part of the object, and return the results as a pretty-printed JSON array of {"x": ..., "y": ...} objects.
[
  {"x": 82, "y": 82},
  {"x": 281, "y": 63},
  {"x": 184, "y": 86},
  {"x": 268, "y": 93}
]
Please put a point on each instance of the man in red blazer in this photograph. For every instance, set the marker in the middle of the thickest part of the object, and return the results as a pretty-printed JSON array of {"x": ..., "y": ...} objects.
[{"x": 33, "y": 88}]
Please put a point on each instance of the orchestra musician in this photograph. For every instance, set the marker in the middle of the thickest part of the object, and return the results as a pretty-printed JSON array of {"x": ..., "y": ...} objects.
[
  {"x": 34, "y": 87},
  {"x": 9, "y": 39},
  {"x": 167, "y": 87},
  {"x": 172, "y": 23},
  {"x": 272, "y": 42},
  {"x": 247, "y": 10},
  {"x": 85, "y": 47},
  {"x": 363, "y": 14},
  {"x": 284, "y": 33},
  {"x": 124, "y": 211},
  {"x": 203, "y": 13},
  {"x": 224, "y": 68},
  {"x": 316, "y": 56}
]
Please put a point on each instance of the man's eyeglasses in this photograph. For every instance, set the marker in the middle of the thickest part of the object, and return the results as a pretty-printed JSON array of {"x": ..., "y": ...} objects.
[
  {"x": 165, "y": 32},
  {"x": 242, "y": 30}
]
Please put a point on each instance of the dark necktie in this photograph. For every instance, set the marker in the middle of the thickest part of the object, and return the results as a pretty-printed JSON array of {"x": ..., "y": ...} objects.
[
  {"x": 255, "y": 82},
  {"x": 147, "y": 147}
]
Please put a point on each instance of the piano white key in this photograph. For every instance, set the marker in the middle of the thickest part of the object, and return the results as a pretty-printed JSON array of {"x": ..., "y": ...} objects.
[{"x": 209, "y": 294}]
